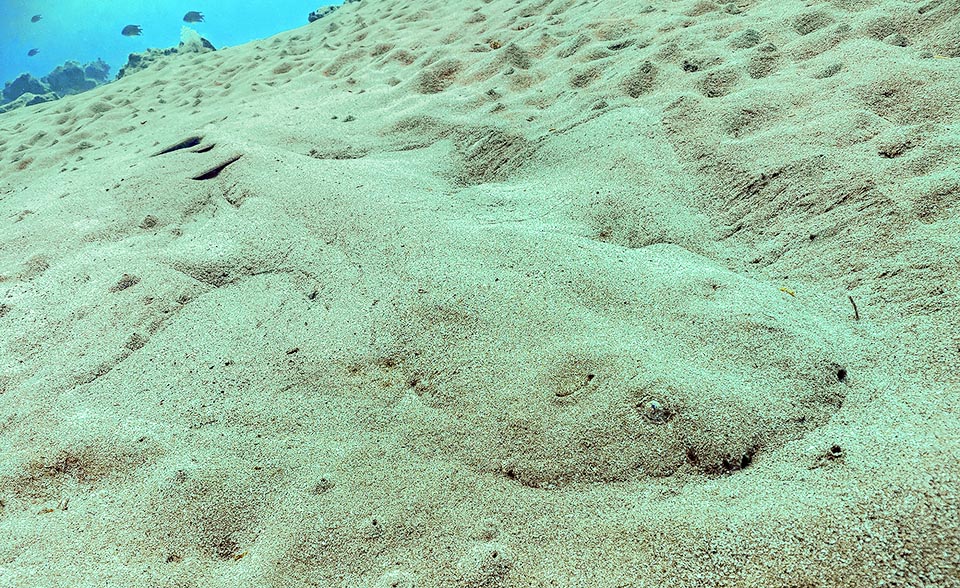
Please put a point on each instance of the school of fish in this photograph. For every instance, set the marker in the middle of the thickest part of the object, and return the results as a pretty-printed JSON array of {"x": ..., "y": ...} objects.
[{"x": 131, "y": 30}]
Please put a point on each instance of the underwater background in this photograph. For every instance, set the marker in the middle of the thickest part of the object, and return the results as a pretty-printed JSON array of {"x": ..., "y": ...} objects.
[
  {"x": 482, "y": 294},
  {"x": 85, "y": 31}
]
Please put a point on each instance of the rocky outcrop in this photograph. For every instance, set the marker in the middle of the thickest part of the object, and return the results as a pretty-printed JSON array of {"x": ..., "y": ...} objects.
[
  {"x": 66, "y": 79},
  {"x": 326, "y": 11},
  {"x": 71, "y": 78},
  {"x": 24, "y": 84},
  {"x": 321, "y": 12},
  {"x": 140, "y": 61},
  {"x": 28, "y": 99},
  {"x": 97, "y": 70}
]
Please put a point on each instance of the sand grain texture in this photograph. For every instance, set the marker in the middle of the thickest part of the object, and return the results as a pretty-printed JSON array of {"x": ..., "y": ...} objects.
[{"x": 493, "y": 294}]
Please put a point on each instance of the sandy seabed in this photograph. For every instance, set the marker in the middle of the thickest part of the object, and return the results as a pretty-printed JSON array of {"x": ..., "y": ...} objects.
[{"x": 551, "y": 293}]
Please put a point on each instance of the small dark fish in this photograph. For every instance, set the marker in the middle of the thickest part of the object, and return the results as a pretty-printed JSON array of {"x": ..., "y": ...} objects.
[
  {"x": 36, "y": 18},
  {"x": 193, "y": 16},
  {"x": 131, "y": 31},
  {"x": 33, "y": 52}
]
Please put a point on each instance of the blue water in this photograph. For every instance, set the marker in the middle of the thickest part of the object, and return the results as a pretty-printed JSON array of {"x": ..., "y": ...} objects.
[{"x": 85, "y": 30}]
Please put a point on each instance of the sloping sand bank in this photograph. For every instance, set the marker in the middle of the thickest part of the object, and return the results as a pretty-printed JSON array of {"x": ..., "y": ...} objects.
[{"x": 480, "y": 294}]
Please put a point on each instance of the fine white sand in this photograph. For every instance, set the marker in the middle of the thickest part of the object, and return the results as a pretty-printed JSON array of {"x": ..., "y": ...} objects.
[{"x": 539, "y": 293}]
